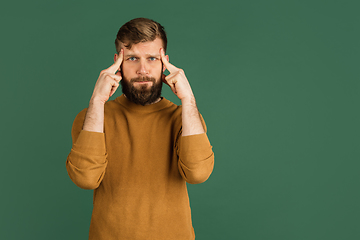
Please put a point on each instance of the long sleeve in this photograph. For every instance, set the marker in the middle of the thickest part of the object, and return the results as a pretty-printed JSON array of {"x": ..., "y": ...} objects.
[
  {"x": 196, "y": 158},
  {"x": 87, "y": 161}
]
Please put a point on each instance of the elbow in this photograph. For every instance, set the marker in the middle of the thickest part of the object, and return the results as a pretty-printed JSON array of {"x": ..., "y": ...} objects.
[
  {"x": 88, "y": 186},
  {"x": 197, "y": 178},
  {"x": 198, "y": 173},
  {"x": 84, "y": 178},
  {"x": 86, "y": 183}
]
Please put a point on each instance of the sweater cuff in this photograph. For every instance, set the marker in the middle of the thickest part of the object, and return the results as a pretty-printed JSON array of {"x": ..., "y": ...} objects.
[
  {"x": 197, "y": 146},
  {"x": 92, "y": 143}
]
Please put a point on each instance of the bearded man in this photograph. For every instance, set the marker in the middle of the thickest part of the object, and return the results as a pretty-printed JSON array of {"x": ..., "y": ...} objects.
[{"x": 138, "y": 151}]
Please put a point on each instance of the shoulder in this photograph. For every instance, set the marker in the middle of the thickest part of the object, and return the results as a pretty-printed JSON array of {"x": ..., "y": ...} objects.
[
  {"x": 112, "y": 107},
  {"x": 172, "y": 110}
]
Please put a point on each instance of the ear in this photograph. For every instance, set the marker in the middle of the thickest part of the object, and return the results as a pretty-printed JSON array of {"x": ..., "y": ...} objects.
[
  {"x": 115, "y": 56},
  {"x": 167, "y": 58}
]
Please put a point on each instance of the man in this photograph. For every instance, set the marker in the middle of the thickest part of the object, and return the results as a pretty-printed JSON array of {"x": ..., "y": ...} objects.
[{"x": 138, "y": 151}]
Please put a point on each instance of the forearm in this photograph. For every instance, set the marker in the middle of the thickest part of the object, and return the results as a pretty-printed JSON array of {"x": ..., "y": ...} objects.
[
  {"x": 94, "y": 119},
  {"x": 191, "y": 121},
  {"x": 87, "y": 161},
  {"x": 196, "y": 158}
]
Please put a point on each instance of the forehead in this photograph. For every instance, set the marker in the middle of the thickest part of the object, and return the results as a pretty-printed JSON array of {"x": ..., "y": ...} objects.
[{"x": 150, "y": 47}]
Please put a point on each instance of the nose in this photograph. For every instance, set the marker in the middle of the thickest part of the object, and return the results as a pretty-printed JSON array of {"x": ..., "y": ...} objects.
[{"x": 143, "y": 68}]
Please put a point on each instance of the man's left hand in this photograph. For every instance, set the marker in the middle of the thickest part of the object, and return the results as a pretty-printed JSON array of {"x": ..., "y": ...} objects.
[{"x": 176, "y": 80}]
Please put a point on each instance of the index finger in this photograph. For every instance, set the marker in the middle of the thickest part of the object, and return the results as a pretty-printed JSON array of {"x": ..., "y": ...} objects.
[
  {"x": 113, "y": 68},
  {"x": 168, "y": 65}
]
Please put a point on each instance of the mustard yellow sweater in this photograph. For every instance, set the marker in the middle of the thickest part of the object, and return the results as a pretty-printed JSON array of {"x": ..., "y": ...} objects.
[{"x": 138, "y": 169}]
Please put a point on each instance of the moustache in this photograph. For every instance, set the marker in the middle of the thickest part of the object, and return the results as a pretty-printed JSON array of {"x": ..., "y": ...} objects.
[{"x": 143, "y": 79}]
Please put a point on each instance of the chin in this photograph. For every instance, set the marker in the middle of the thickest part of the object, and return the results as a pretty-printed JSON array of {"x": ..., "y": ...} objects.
[{"x": 142, "y": 95}]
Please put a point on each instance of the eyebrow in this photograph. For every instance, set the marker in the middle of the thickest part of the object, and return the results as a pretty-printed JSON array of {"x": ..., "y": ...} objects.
[{"x": 147, "y": 55}]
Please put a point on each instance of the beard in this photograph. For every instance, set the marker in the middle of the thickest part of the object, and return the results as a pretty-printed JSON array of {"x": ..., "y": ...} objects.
[{"x": 142, "y": 95}]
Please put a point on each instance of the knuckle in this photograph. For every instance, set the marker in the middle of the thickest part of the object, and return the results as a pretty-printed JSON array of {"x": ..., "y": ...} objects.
[
  {"x": 104, "y": 71},
  {"x": 104, "y": 74},
  {"x": 106, "y": 77}
]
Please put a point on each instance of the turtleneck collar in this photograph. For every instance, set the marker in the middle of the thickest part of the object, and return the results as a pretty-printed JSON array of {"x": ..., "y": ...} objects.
[{"x": 163, "y": 103}]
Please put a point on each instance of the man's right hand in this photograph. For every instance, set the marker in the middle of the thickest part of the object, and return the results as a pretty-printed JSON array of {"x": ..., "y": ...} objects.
[
  {"x": 108, "y": 81},
  {"x": 105, "y": 87}
]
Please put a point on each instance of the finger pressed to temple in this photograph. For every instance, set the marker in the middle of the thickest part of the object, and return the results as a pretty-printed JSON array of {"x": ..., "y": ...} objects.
[
  {"x": 171, "y": 68},
  {"x": 116, "y": 66}
]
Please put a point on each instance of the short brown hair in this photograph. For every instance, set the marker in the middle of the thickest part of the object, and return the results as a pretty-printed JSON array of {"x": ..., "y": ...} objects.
[{"x": 139, "y": 30}]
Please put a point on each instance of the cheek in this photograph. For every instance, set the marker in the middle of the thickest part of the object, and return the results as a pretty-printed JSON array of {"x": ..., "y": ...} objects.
[
  {"x": 126, "y": 70},
  {"x": 158, "y": 73},
  {"x": 158, "y": 68}
]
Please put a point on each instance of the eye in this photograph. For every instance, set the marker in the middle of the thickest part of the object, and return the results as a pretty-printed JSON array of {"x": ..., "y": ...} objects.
[
  {"x": 152, "y": 58},
  {"x": 132, "y": 58}
]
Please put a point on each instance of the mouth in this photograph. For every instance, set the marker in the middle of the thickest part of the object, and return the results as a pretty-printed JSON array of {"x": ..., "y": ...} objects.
[{"x": 143, "y": 82}]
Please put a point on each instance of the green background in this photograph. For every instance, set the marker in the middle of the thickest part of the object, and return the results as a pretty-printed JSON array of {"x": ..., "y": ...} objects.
[{"x": 276, "y": 81}]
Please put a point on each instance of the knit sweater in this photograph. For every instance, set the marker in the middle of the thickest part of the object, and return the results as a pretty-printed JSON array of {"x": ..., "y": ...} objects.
[{"x": 138, "y": 169}]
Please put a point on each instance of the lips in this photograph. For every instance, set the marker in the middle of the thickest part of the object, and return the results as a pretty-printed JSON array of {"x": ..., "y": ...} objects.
[
  {"x": 143, "y": 79},
  {"x": 143, "y": 82}
]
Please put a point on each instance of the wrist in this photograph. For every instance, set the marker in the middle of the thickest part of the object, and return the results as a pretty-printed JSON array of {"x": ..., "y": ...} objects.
[
  {"x": 94, "y": 101},
  {"x": 190, "y": 100}
]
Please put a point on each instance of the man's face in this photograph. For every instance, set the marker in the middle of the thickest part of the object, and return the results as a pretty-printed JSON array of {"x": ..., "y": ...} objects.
[{"x": 141, "y": 72}]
